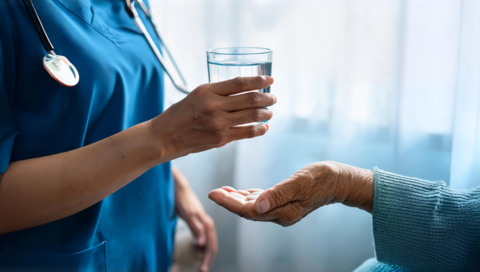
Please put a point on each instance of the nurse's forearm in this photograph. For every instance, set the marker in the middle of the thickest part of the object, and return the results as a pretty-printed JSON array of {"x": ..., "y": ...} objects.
[{"x": 42, "y": 190}]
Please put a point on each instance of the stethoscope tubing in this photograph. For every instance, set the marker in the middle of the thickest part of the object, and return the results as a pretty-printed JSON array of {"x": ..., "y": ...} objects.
[
  {"x": 141, "y": 27},
  {"x": 132, "y": 11},
  {"x": 32, "y": 12},
  {"x": 169, "y": 54}
]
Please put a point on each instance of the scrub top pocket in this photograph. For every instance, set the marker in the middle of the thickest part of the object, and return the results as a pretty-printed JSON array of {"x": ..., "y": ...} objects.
[{"x": 89, "y": 260}]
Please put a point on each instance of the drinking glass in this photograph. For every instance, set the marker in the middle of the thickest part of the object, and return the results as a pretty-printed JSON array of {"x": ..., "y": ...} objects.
[{"x": 231, "y": 62}]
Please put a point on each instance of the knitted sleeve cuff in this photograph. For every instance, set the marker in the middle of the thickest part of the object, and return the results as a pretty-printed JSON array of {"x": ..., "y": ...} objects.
[{"x": 422, "y": 225}]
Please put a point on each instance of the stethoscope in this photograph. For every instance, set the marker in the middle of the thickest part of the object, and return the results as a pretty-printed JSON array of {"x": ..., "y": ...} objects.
[{"x": 62, "y": 70}]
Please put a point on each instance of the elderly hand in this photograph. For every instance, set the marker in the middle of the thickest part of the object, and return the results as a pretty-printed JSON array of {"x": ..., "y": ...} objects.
[
  {"x": 313, "y": 186},
  {"x": 209, "y": 116}
]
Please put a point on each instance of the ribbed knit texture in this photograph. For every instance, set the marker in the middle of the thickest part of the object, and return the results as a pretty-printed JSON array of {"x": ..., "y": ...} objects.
[
  {"x": 372, "y": 265},
  {"x": 420, "y": 225}
]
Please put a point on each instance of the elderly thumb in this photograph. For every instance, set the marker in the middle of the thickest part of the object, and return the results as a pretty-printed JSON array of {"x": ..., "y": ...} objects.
[
  {"x": 275, "y": 197},
  {"x": 263, "y": 206}
]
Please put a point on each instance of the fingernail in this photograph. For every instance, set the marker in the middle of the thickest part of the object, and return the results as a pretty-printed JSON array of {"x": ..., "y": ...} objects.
[
  {"x": 263, "y": 77},
  {"x": 267, "y": 126},
  {"x": 274, "y": 99},
  {"x": 201, "y": 241},
  {"x": 264, "y": 206}
]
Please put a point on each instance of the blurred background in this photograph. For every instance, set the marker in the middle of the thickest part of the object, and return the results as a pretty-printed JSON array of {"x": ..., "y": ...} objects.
[{"x": 387, "y": 83}]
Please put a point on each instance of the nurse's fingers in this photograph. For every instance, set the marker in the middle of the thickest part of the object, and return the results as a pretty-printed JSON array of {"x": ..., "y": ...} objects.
[
  {"x": 239, "y": 133},
  {"x": 250, "y": 116},
  {"x": 248, "y": 100},
  {"x": 212, "y": 243},
  {"x": 198, "y": 230},
  {"x": 241, "y": 84}
]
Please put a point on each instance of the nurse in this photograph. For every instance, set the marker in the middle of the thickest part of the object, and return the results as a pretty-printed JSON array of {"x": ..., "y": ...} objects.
[{"x": 86, "y": 182}]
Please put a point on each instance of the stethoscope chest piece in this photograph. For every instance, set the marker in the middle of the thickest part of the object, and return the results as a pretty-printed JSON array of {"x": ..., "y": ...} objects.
[{"x": 61, "y": 69}]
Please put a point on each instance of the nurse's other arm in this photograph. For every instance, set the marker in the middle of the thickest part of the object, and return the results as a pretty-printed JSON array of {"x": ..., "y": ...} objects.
[
  {"x": 190, "y": 209},
  {"x": 41, "y": 190}
]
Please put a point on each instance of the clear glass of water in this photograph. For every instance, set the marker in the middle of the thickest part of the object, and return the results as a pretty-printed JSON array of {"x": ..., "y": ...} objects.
[{"x": 231, "y": 62}]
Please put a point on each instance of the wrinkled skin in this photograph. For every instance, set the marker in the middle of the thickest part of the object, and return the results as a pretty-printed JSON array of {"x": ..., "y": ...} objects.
[{"x": 310, "y": 188}]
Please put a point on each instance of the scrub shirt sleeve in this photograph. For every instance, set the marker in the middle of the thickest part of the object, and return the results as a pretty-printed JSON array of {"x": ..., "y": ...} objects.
[{"x": 8, "y": 126}]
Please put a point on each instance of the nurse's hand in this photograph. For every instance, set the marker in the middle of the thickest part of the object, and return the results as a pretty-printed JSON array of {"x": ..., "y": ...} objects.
[
  {"x": 314, "y": 186},
  {"x": 191, "y": 210},
  {"x": 208, "y": 117}
]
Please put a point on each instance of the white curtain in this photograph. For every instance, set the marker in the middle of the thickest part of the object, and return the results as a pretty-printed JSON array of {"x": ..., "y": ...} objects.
[{"x": 387, "y": 83}]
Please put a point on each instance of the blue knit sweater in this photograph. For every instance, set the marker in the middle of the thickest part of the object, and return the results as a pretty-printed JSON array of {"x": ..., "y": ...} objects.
[{"x": 420, "y": 225}]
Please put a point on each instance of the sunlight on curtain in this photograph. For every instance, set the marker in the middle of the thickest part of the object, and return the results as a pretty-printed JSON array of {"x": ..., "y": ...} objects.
[
  {"x": 465, "y": 170},
  {"x": 387, "y": 83}
]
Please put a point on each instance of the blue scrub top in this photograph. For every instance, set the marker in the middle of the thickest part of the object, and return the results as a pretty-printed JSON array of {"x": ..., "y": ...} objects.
[{"x": 121, "y": 85}]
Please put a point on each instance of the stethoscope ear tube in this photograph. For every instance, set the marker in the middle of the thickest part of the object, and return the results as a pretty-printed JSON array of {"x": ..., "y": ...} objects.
[
  {"x": 181, "y": 86},
  {"x": 42, "y": 34}
]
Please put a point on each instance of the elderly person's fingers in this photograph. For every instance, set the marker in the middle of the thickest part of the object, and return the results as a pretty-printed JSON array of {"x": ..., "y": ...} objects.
[
  {"x": 242, "y": 203},
  {"x": 243, "y": 192},
  {"x": 231, "y": 200},
  {"x": 228, "y": 188}
]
